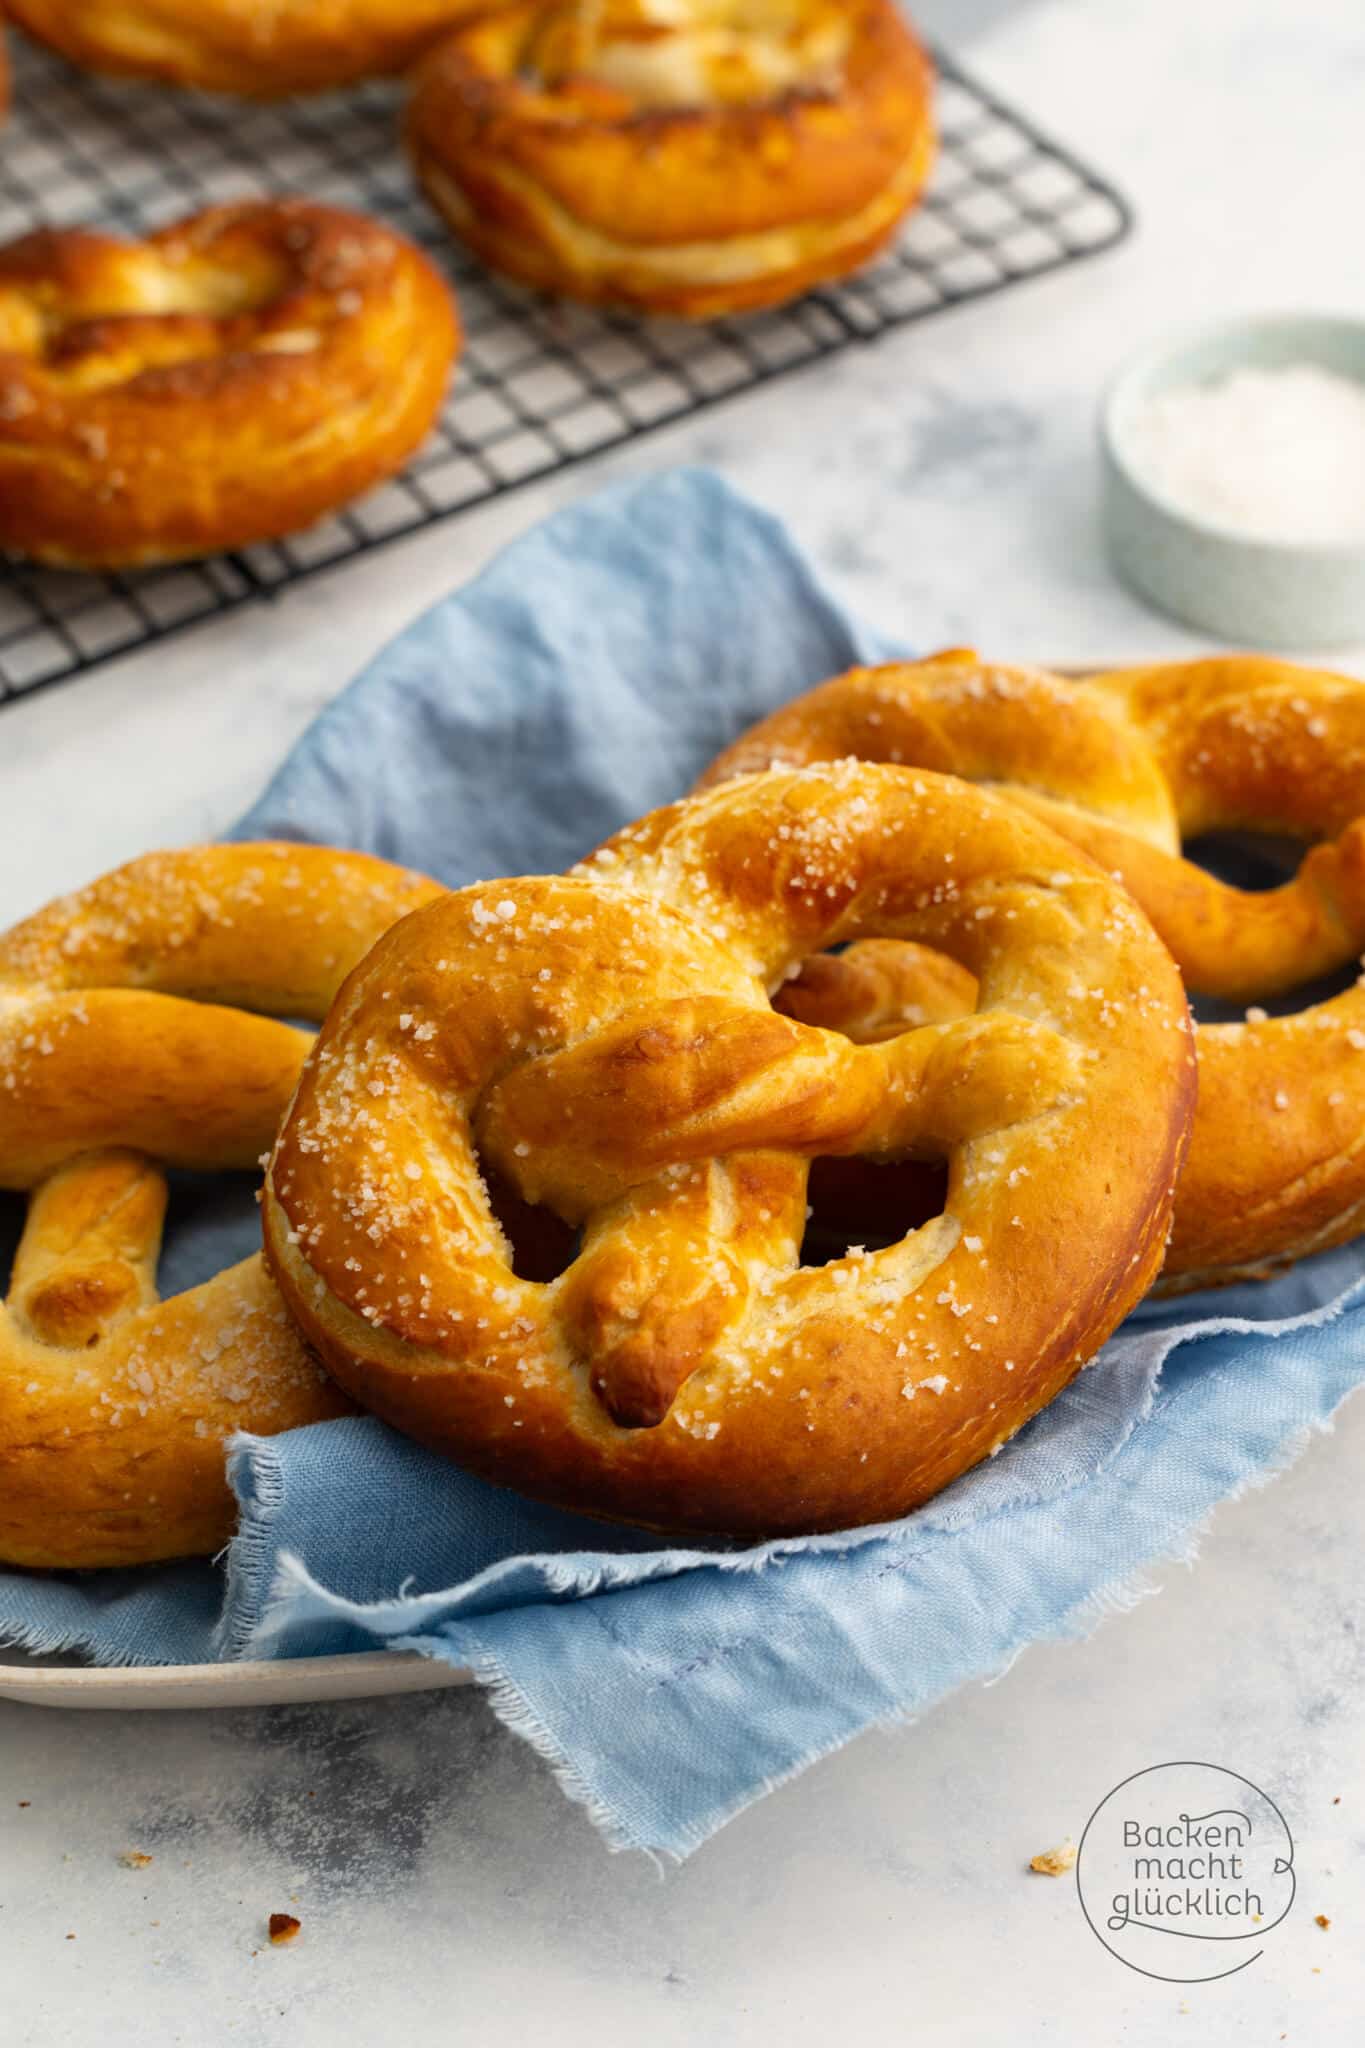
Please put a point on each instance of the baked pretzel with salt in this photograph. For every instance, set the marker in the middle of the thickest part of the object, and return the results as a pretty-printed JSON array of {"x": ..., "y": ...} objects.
[
  {"x": 604, "y": 1042},
  {"x": 1128, "y": 766},
  {"x": 681, "y": 157},
  {"x": 130, "y": 1034},
  {"x": 228, "y": 380}
]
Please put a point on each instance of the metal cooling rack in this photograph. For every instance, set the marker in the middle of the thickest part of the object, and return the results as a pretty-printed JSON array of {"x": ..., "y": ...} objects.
[{"x": 540, "y": 385}]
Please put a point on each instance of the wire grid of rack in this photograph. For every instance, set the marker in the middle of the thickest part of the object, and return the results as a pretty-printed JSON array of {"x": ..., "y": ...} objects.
[{"x": 541, "y": 384}]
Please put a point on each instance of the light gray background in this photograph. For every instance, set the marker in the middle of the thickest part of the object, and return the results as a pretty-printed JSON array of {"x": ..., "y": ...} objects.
[{"x": 945, "y": 482}]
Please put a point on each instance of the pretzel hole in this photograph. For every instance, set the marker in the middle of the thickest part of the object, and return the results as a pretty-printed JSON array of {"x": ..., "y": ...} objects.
[
  {"x": 543, "y": 1244},
  {"x": 212, "y": 1221},
  {"x": 12, "y": 1208},
  {"x": 1248, "y": 860},
  {"x": 866, "y": 1203},
  {"x": 1259, "y": 862},
  {"x": 1288, "y": 1003},
  {"x": 97, "y": 345}
]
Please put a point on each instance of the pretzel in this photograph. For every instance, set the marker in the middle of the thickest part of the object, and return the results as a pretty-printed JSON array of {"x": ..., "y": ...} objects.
[
  {"x": 262, "y": 49},
  {"x": 1127, "y": 765},
  {"x": 690, "y": 157},
  {"x": 230, "y": 379},
  {"x": 126, "y": 1037},
  {"x": 604, "y": 1042}
]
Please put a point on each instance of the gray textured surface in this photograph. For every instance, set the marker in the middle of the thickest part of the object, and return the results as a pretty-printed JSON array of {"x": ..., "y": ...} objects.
[{"x": 448, "y": 1892}]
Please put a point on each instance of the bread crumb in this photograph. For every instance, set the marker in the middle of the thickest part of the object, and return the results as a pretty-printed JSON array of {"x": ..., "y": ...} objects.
[
  {"x": 1054, "y": 1862},
  {"x": 283, "y": 1927},
  {"x": 135, "y": 1859},
  {"x": 1322, "y": 1920}
]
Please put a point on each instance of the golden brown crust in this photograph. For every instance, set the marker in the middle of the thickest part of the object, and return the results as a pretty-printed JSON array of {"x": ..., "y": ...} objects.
[
  {"x": 1125, "y": 765},
  {"x": 693, "y": 161},
  {"x": 116, "y": 1032},
  {"x": 112, "y": 1426},
  {"x": 606, "y": 1041},
  {"x": 130, "y": 1011},
  {"x": 241, "y": 46},
  {"x": 229, "y": 380},
  {"x": 1016, "y": 729}
]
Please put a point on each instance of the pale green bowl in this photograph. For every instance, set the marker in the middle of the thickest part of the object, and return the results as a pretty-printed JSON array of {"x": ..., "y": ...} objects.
[{"x": 1258, "y": 593}]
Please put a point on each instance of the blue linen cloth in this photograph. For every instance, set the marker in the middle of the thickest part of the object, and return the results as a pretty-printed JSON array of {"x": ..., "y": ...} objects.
[{"x": 586, "y": 676}]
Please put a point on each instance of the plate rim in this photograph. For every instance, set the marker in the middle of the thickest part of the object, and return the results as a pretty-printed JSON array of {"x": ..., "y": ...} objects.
[{"x": 357, "y": 1674}]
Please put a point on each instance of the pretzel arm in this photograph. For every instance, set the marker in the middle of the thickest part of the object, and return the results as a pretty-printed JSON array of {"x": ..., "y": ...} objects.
[
  {"x": 192, "y": 1084},
  {"x": 270, "y": 927},
  {"x": 120, "y": 1461},
  {"x": 707, "y": 1077},
  {"x": 1239, "y": 944},
  {"x": 127, "y": 1397},
  {"x": 100, "y": 1044},
  {"x": 962, "y": 1080},
  {"x": 877, "y": 988},
  {"x": 260, "y": 49},
  {"x": 87, "y": 1257},
  {"x": 645, "y": 1312}
]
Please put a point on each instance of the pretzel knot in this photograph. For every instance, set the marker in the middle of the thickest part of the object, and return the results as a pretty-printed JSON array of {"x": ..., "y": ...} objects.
[
  {"x": 1129, "y": 766},
  {"x": 605, "y": 1044},
  {"x": 118, "y": 1049}
]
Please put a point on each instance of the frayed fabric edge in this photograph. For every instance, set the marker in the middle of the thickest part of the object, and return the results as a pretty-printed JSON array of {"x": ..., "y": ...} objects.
[
  {"x": 38, "y": 1639},
  {"x": 520, "y": 1718},
  {"x": 249, "y": 1553},
  {"x": 1117, "y": 1596},
  {"x": 563, "y": 1582},
  {"x": 564, "y": 1579}
]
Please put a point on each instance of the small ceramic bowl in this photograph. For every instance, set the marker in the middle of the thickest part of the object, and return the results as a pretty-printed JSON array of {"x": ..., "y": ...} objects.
[{"x": 1257, "y": 592}]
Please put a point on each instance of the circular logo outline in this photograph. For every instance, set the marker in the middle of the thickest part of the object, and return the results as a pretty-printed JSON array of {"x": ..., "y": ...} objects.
[{"x": 1215, "y": 1976}]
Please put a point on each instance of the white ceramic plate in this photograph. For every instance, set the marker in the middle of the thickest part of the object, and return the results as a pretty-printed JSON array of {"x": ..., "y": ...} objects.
[{"x": 368, "y": 1674}]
